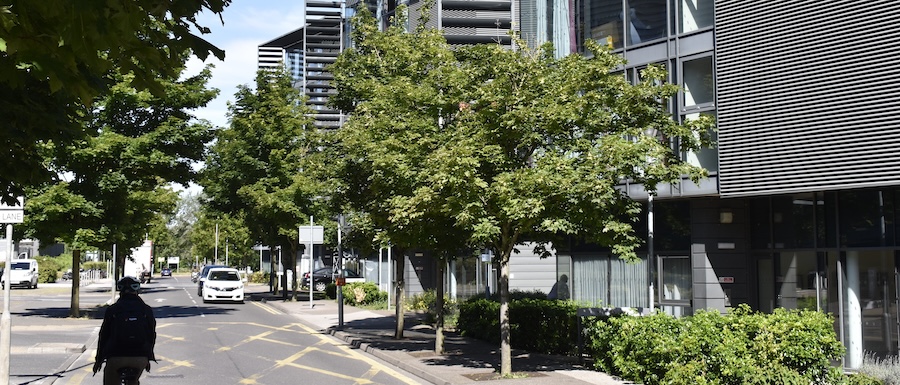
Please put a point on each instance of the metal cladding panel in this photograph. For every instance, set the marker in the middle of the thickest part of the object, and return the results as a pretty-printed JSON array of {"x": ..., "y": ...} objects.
[{"x": 807, "y": 95}]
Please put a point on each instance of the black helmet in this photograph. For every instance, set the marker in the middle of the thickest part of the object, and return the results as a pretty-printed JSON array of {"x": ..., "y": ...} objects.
[{"x": 128, "y": 285}]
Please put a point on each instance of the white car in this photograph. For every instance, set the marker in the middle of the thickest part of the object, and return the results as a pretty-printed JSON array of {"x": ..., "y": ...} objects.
[
  {"x": 24, "y": 272},
  {"x": 223, "y": 284}
]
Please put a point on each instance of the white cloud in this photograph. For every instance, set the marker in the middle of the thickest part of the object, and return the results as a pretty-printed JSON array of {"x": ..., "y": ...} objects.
[{"x": 247, "y": 25}]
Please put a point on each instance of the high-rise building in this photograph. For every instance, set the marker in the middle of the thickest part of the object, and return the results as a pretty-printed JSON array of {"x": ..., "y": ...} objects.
[{"x": 307, "y": 51}]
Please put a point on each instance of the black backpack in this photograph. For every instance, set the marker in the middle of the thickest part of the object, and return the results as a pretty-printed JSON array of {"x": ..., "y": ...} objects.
[{"x": 130, "y": 331}]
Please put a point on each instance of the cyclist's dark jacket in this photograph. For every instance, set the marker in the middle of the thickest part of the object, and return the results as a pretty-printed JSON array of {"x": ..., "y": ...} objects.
[{"x": 106, "y": 346}]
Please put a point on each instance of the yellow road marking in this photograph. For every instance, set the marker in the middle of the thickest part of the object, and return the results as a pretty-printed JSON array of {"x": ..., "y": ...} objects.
[
  {"x": 375, "y": 364},
  {"x": 174, "y": 364},
  {"x": 267, "y": 308}
]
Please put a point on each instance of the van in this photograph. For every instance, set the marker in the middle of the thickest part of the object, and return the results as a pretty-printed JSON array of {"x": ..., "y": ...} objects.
[{"x": 22, "y": 272}]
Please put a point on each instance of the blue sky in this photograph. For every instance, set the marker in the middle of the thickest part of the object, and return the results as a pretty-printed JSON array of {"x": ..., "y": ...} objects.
[{"x": 247, "y": 24}]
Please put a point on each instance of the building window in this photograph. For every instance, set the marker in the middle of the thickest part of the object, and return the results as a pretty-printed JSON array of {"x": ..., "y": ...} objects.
[
  {"x": 698, "y": 83},
  {"x": 604, "y": 19},
  {"x": 646, "y": 21},
  {"x": 707, "y": 158},
  {"x": 694, "y": 15}
]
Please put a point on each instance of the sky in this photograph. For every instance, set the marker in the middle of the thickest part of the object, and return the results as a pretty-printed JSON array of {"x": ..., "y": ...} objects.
[{"x": 247, "y": 24}]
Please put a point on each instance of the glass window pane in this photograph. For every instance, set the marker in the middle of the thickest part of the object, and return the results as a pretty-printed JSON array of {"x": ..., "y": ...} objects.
[
  {"x": 604, "y": 20},
  {"x": 707, "y": 158},
  {"x": 646, "y": 21},
  {"x": 862, "y": 214},
  {"x": 695, "y": 14},
  {"x": 794, "y": 221},
  {"x": 699, "y": 87},
  {"x": 796, "y": 281},
  {"x": 760, "y": 225}
]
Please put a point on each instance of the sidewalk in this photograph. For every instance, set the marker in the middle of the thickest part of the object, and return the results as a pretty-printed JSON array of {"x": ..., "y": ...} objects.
[{"x": 466, "y": 360}]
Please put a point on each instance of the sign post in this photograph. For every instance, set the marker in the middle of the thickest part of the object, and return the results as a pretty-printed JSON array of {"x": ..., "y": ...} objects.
[
  {"x": 8, "y": 215},
  {"x": 312, "y": 235}
]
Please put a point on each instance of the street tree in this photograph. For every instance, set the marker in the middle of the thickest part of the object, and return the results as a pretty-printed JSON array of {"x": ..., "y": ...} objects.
[
  {"x": 220, "y": 237},
  {"x": 112, "y": 186},
  {"x": 57, "y": 57},
  {"x": 260, "y": 164},
  {"x": 397, "y": 87},
  {"x": 511, "y": 145}
]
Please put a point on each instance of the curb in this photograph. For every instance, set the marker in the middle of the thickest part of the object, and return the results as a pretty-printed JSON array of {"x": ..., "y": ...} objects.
[{"x": 387, "y": 357}]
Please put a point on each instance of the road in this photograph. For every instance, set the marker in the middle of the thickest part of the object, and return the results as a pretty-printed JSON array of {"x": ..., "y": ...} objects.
[{"x": 221, "y": 343}]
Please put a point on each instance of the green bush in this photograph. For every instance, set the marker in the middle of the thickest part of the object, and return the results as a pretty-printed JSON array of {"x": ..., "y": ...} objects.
[
  {"x": 259, "y": 277},
  {"x": 48, "y": 269},
  {"x": 361, "y": 293},
  {"x": 742, "y": 347},
  {"x": 426, "y": 302},
  {"x": 47, "y": 274},
  {"x": 863, "y": 379},
  {"x": 536, "y": 325},
  {"x": 94, "y": 265}
]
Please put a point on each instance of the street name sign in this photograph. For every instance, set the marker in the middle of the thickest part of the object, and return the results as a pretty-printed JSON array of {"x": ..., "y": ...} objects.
[{"x": 13, "y": 214}]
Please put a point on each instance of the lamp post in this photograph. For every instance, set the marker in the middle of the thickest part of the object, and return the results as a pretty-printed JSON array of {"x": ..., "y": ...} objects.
[{"x": 340, "y": 277}]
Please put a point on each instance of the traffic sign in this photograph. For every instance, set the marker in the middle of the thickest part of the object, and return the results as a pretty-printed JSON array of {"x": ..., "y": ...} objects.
[{"x": 13, "y": 214}]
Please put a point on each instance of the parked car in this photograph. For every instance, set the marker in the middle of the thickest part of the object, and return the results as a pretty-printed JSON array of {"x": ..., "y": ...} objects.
[
  {"x": 325, "y": 275},
  {"x": 223, "y": 284},
  {"x": 165, "y": 272},
  {"x": 202, "y": 277},
  {"x": 23, "y": 272}
]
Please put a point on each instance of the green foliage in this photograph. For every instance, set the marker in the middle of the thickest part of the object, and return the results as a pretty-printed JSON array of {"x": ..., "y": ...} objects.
[
  {"x": 362, "y": 293},
  {"x": 57, "y": 56},
  {"x": 482, "y": 146},
  {"x": 427, "y": 302},
  {"x": 537, "y": 325},
  {"x": 94, "y": 265},
  {"x": 119, "y": 176},
  {"x": 47, "y": 274},
  {"x": 865, "y": 379},
  {"x": 742, "y": 347},
  {"x": 259, "y": 277},
  {"x": 262, "y": 170}
]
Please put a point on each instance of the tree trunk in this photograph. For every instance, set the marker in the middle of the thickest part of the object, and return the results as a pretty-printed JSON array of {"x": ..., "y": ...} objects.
[
  {"x": 505, "y": 351},
  {"x": 398, "y": 292},
  {"x": 439, "y": 308},
  {"x": 293, "y": 270},
  {"x": 74, "y": 309}
]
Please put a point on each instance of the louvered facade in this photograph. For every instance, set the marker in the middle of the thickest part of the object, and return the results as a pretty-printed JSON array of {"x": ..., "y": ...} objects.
[
  {"x": 807, "y": 95},
  {"x": 467, "y": 21},
  {"x": 306, "y": 52}
]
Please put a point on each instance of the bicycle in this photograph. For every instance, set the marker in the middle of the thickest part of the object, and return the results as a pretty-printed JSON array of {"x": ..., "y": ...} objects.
[{"x": 129, "y": 375}]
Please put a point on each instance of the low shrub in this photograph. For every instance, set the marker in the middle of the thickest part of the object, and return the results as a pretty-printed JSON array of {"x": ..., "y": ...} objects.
[
  {"x": 886, "y": 370},
  {"x": 427, "y": 302},
  {"x": 48, "y": 269},
  {"x": 259, "y": 277},
  {"x": 361, "y": 293},
  {"x": 741, "y": 347},
  {"x": 47, "y": 274},
  {"x": 536, "y": 325}
]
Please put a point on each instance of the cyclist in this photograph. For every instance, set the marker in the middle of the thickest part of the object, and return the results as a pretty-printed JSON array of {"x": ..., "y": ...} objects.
[{"x": 127, "y": 335}]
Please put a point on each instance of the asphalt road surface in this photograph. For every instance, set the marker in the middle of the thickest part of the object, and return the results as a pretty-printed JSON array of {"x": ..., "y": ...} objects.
[{"x": 197, "y": 343}]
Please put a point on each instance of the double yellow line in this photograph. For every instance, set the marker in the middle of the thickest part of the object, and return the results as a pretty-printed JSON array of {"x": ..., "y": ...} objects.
[{"x": 267, "y": 308}]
